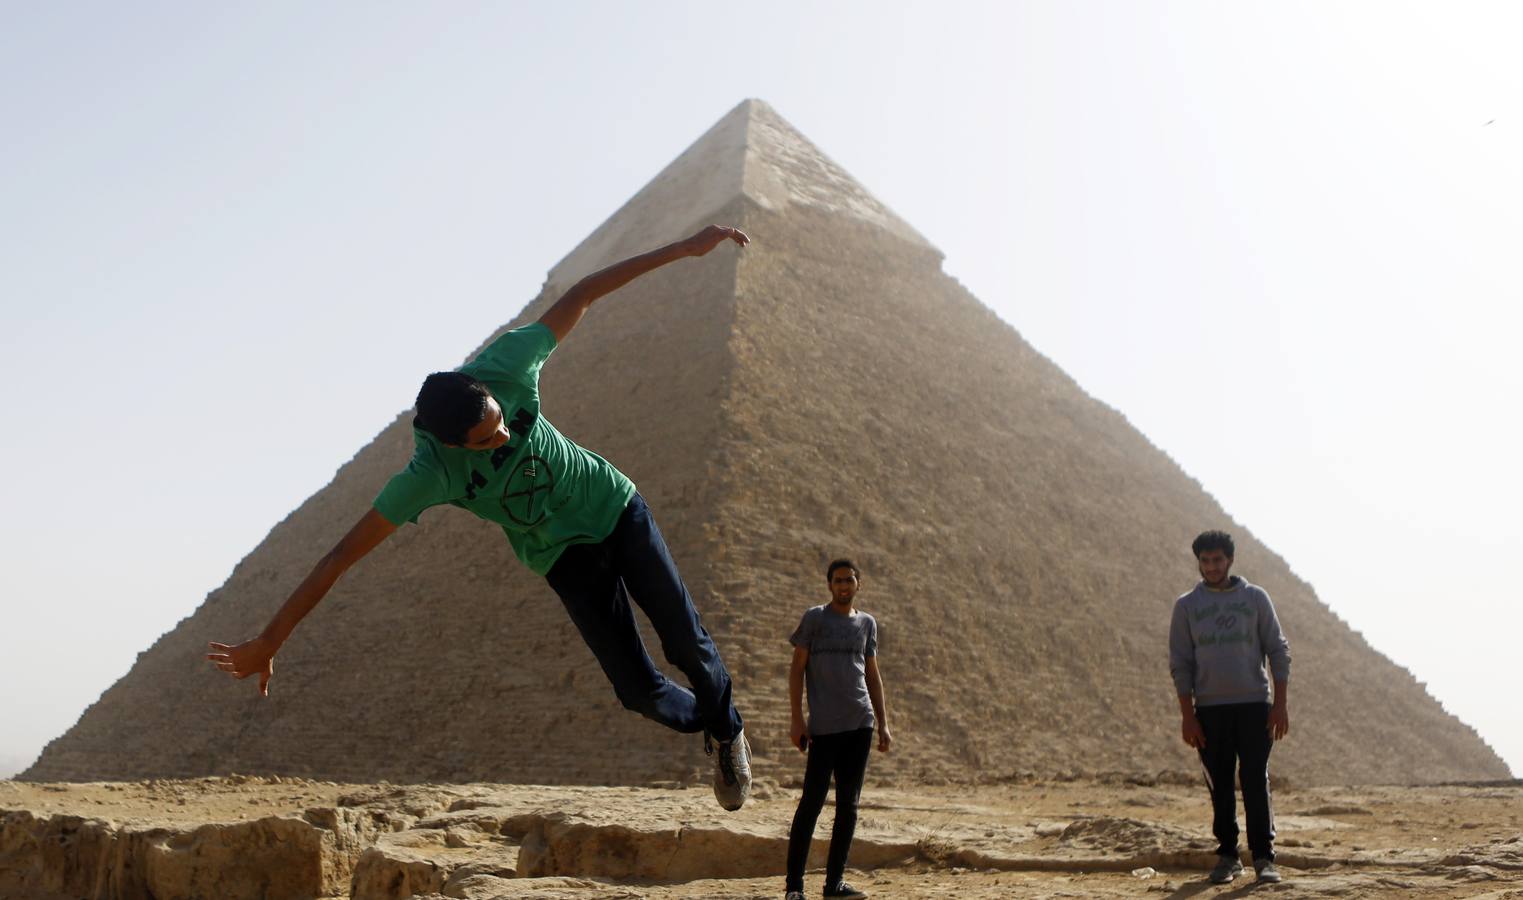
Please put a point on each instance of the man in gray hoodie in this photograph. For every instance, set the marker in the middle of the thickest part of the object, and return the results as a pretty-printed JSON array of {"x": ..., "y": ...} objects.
[{"x": 1221, "y": 634}]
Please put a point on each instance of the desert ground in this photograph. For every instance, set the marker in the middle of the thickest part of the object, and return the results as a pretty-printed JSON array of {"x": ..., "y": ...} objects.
[{"x": 1097, "y": 836}]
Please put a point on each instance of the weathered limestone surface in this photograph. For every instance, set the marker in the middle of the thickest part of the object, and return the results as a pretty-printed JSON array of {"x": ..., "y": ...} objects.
[
  {"x": 72, "y": 857},
  {"x": 1085, "y": 837}
]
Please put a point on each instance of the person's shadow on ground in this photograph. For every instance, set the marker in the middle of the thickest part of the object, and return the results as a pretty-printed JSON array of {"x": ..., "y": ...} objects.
[{"x": 1204, "y": 885}]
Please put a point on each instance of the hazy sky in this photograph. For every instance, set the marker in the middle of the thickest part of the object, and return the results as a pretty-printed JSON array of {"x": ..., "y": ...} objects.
[{"x": 1283, "y": 239}]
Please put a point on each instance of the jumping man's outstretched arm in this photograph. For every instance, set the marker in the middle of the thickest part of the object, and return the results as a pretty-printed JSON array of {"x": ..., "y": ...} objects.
[
  {"x": 257, "y": 657},
  {"x": 568, "y": 310}
]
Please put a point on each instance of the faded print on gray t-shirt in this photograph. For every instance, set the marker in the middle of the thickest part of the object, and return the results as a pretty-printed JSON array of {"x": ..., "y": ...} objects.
[{"x": 836, "y": 675}]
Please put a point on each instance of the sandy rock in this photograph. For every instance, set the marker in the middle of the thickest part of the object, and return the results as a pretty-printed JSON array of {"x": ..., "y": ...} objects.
[
  {"x": 396, "y": 868},
  {"x": 1337, "y": 809},
  {"x": 486, "y": 887},
  {"x": 558, "y": 845},
  {"x": 420, "y": 861},
  {"x": 69, "y": 856},
  {"x": 1120, "y": 835},
  {"x": 1506, "y": 853},
  {"x": 991, "y": 842}
]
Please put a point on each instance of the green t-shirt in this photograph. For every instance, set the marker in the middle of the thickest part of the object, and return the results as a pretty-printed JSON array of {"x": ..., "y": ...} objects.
[{"x": 546, "y": 492}]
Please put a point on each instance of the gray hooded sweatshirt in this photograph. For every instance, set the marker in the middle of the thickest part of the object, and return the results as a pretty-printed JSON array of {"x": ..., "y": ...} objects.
[{"x": 1218, "y": 642}]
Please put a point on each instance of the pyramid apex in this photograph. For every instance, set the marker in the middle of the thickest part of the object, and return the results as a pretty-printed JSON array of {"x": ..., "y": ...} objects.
[
  {"x": 751, "y": 151},
  {"x": 755, "y": 105},
  {"x": 784, "y": 168}
]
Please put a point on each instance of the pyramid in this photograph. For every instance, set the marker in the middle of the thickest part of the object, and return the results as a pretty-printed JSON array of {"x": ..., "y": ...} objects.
[{"x": 828, "y": 391}]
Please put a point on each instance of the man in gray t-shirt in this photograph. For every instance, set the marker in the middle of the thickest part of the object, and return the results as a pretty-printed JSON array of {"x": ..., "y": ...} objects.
[
  {"x": 839, "y": 647},
  {"x": 835, "y": 652}
]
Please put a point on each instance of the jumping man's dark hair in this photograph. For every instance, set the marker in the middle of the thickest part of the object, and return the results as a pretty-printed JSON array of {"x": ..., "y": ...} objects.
[{"x": 450, "y": 405}]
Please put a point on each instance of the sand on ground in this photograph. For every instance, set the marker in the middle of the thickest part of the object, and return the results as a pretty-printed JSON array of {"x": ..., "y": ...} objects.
[{"x": 1104, "y": 836}]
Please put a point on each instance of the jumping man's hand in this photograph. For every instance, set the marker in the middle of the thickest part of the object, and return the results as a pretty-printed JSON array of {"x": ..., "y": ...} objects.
[
  {"x": 712, "y": 237},
  {"x": 885, "y": 740},
  {"x": 254, "y": 657}
]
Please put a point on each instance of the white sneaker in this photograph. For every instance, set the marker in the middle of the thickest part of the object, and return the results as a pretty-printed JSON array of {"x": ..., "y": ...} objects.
[{"x": 732, "y": 770}]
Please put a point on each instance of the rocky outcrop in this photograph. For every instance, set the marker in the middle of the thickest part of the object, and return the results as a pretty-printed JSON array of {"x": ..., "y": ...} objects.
[
  {"x": 492, "y": 842},
  {"x": 452, "y": 860},
  {"x": 557, "y": 844},
  {"x": 66, "y": 857}
]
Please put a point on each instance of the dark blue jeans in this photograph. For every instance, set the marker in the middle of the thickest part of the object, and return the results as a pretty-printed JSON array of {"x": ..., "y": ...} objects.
[{"x": 596, "y": 582}]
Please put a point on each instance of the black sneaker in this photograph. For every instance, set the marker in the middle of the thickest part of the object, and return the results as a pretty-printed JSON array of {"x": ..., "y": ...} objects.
[
  {"x": 843, "y": 891},
  {"x": 794, "y": 895},
  {"x": 1227, "y": 868},
  {"x": 1266, "y": 871}
]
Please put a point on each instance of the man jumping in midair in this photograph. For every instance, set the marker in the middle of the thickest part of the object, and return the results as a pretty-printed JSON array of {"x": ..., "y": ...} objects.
[{"x": 480, "y": 443}]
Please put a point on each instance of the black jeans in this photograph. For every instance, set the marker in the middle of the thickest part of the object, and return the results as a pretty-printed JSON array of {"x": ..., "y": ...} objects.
[
  {"x": 843, "y": 755},
  {"x": 596, "y": 582},
  {"x": 1237, "y": 737}
]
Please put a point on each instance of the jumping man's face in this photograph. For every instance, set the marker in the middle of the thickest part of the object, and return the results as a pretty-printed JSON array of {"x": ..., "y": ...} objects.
[
  {"x": 1214, "y": 566},
  {"x": 491, "y": 432},
  {"x": 843, "y": 586}
]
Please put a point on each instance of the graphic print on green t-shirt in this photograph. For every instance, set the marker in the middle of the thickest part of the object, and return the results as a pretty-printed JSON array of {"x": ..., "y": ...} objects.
[{"x": 546, "y": 492}]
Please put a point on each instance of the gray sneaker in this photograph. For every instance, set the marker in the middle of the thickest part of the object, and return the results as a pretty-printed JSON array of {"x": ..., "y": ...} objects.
[
  {"x": 1227, "y": 868},
  {"x": 794, "y": 895},
  {"x": 1266, "y": 871},
  {"x": 732, "y": 770}
]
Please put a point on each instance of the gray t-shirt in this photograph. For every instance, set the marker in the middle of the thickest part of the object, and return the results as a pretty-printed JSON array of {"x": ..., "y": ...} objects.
[{"x": 836, "y": 676}]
